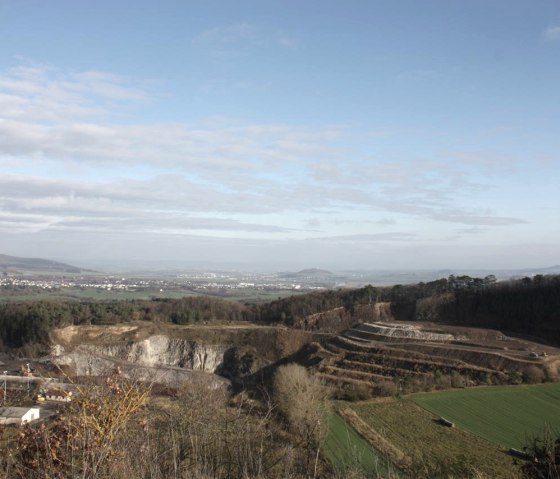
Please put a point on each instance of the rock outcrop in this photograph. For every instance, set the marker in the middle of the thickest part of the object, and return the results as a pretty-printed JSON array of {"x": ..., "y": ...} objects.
[
  {"x": 154, "y": 351},
  {"x": 229, "y": 350}
]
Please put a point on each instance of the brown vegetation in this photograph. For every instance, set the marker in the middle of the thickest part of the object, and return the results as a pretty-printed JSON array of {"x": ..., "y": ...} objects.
[
  {"x": 114, "y": 429},
  {"x": 300, "y": 400}
]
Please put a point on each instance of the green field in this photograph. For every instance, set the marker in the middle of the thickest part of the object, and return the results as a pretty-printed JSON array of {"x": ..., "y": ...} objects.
[
  {"x": 433, "y": 450},
  {"x": 345, "y": 448},
  {"x": 91, "y": 294},
  {"x": 249, "y": 295},
  {"x": 505, "y": 415},
  {"x": 256, "y": 295}
]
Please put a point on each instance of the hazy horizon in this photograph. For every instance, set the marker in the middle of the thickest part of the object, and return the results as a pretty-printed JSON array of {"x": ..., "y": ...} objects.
[
  {"x": 286, "y": 135},
  {"x": 175, "y": 266}
]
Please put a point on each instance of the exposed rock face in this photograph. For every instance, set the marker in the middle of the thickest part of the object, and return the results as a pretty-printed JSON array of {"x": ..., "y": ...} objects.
[
  {"x": 150, "y": 349},
  {"x": 383, "y": 312},
  {"x": 157, "y": 350},
  {"x": 403, "y": 331}
]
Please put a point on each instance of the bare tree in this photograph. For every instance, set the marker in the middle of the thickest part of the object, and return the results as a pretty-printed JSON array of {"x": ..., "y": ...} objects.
[{"x": 300, "y": 400}]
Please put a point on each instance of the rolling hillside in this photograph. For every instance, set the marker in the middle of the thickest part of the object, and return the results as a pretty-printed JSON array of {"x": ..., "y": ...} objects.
[{"x": 11, "y": 264}]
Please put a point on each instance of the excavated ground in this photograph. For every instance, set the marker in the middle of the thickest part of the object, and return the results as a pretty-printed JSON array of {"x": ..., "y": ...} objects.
[
  {"x": 169, "y": 353},
  {"x": 374, "y": 352},
  {"x": 365, "y": 355}
]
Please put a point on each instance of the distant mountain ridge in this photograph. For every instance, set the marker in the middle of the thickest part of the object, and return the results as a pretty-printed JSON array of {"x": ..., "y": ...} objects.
[
  {"x": 36, "y": 265},
  {"x": 555, "y": 268},
  {"x": 307, "y": 273}
]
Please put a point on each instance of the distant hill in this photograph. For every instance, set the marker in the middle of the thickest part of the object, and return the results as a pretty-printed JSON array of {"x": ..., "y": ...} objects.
[
  {"x": 311, "y": 273},
  {"x": 36, "y": 265},
  {"x": 552, "y": 269}
]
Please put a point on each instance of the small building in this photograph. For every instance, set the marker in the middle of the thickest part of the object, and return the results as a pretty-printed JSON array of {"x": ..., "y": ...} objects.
[
  {"x": 18, "y": 415},
  {"x": 58, "y": 395}
]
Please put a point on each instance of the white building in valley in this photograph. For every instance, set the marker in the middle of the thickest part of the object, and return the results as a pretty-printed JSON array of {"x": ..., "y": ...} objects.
[{"x": 18, "y": 415}]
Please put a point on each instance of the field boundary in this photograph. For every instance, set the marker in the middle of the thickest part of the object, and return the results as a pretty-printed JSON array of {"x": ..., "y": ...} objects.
[
  {"x": 432, "y": 449},
  {"x": 394, "y": 454},
  {"x": 348, "y": 450},
  {"x": 507, "y": 416}
]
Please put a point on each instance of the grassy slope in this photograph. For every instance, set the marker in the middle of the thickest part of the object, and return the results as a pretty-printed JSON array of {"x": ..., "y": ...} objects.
[
  {"x": 90, "y": 294},
  {"x": 95, "y": 294},
  {"x": 345, "y": 448},
  {"x": 506, "y": 416},
  {"x": 432, "y": 447}
]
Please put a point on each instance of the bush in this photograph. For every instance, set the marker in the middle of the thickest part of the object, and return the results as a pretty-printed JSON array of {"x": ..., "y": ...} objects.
[
  {"x": 357, "y": 393},
  {"x": 546, "y": 453},
  {"x": 299, "y": 397},
  {"x": 533, "y": 374},
  {"x": 85, "y": 442},
  {"x": 457, "y": 381},
  {"x": 386, "y": 388}
]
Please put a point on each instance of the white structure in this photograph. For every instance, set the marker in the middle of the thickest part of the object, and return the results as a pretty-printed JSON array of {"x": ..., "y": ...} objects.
[
  {"x": 18, "y": 415},
  {"x": 58, "y": 395}
]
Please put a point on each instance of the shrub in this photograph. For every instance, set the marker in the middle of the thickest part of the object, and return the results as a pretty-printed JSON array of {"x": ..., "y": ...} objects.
[
  {"x": 546, "y": 453},
  {"x": 533, "y": 374},
  {"x": 386, "y": 388},
  {"x": 299, "y": 397}
]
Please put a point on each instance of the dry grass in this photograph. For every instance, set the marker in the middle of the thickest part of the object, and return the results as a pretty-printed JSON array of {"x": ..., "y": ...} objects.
[{"x": 433, "y": 450}]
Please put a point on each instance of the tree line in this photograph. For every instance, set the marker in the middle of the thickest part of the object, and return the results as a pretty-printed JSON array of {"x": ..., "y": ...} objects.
[
  {"x": 527, "y": 306},
  {"x": 27, "y": 324}
]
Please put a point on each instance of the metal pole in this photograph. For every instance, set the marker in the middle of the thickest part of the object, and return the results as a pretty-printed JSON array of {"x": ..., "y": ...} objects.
[{"x": 5, "y": 379}]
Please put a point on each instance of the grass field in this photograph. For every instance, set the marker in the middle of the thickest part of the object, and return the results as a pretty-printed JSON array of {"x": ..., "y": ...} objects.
[
  {"x": 345, "y": 448},
  {"x": 261, "y": 296},
  {"x": 434, "y": 450},
  {"x": 505, "y": 415},
  {"x": 96, "y": 294},
  {"x": 100, "y": 294}
]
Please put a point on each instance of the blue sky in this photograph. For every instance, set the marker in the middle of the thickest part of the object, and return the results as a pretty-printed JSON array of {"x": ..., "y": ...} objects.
[{"x": 281, "y": 134}]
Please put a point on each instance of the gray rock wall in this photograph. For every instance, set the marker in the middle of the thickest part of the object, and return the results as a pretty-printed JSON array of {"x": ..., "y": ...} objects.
[{"x": 155, "y": 351}]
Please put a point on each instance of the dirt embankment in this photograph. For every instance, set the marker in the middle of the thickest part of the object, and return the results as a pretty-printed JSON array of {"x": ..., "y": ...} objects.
[
  {"x": 137, "y": 331},
  {"x": 383, "y": 312},
  {"x": 395, "y": 455},
  {"x": 424, "y": 355}
]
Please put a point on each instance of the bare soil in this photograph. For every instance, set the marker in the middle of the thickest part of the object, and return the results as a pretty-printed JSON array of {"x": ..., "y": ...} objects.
[{"x": 370, "y": 352}]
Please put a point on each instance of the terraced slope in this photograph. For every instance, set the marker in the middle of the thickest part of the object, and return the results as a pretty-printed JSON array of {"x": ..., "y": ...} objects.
[{"x": 372, "y": 353}]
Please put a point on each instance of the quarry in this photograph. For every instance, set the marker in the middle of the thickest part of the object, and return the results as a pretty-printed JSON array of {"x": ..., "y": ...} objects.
[
  {"x": 386, "y": 351},
  {"x": 381, "y": 367},
  {"x": 362, "y": 356}
]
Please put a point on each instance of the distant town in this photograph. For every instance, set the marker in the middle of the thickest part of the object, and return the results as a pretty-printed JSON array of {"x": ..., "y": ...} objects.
[{"x": 196, "y": 282}]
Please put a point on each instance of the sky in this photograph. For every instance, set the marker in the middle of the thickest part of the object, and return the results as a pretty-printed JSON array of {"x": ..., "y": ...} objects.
[{"x": 386, "y": 134}]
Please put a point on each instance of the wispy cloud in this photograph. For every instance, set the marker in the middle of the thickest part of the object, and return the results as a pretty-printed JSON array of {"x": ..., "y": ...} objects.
[
  {"x": 551, "y": 33},
  {"x": 478, "y": 220},
  {"x": 369, "y": 238},
  {"x": 45, "y": 95},
  {"x": 475, "y": 230},
  {"x": 153, "y": 206},
  {"x": 242, "y": 35},
  {"x": 219, "y": 169}
]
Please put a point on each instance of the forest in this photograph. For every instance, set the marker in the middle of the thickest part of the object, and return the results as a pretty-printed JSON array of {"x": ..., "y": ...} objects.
[{"x": 528, "y": 306}]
